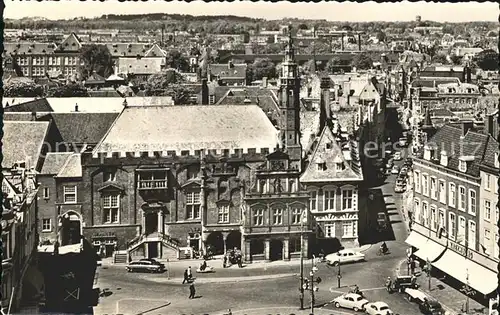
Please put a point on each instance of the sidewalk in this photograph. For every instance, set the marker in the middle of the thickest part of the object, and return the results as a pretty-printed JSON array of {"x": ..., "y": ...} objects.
[
  {"x": 283, "y": 311},
  {"x": 451, "y": 299}
]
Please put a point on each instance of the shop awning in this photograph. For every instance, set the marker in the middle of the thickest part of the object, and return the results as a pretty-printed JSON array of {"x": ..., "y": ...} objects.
[
  {"x": 479, "y": 278},
  {"x": 430, "y": 251},
  {"x": 416, "y": 239}
]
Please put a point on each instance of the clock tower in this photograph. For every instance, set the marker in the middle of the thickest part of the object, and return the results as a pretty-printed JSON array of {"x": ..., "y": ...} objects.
[{"x": 289, "y": 103}]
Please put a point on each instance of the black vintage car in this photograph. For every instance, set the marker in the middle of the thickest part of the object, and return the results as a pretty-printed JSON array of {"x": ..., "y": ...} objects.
[
  {"x": 401, "y": 283},
  {"x": 431, "y": 307}
]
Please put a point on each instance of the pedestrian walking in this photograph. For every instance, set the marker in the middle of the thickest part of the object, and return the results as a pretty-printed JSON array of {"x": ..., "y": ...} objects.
[
  {"x": 240, "y": 264},
  {"x": 189, "y": 273},
  {"x": 192, "y": 291},
  {"x": 224, "y": 262},
  {"x": 186, "y": 278}
]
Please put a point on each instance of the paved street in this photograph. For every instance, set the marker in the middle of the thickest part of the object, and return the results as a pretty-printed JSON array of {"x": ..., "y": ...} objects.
[{"x": 257, "y": 287}]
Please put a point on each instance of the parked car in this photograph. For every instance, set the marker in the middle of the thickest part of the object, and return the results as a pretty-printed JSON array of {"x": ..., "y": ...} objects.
[
  {"x": 431, "y": 307},
  {"x": 352, "y": 301},
  {"x": 344, "y": 256},
  {"x": 403, "y": 172},
  {"x": 403, "y": 141},
  {"x": 153, "y": 261},
  {"x": 416, "y": 295},
  {"x": 395, "y": 170},
  {"x": 403, "y": 282},
  {"x": 145, "y": 266},
  {"x": 378, "y": 308},
  {"x": 398, "y": 156},
  {"x": 400, "y": 187}
]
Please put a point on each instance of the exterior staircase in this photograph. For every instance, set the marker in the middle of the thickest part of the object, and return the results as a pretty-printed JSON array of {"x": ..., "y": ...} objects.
[
  {"x": 120, "y": 257},
  {"x": 170, "y": 247}
]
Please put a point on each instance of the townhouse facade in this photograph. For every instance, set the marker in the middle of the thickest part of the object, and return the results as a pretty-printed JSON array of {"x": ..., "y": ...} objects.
[{"x": 447, "y": 215}]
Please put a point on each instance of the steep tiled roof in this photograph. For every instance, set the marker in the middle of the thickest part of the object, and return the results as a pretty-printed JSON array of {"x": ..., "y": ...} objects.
[
  {"x": 309, "y": 128},
  {"x": 24, "y": 116},
  {"x": 163, "y": 128},
  {"x": 104, "y": 93},
  {"x": 71, "y": 43},
  {"x": 489, "y": 153},
  {"x": 36, "y": 105},
  {"x": 140, "y": 66},
  {"x": 23, "y": 139},
  {"x": 433, "y": 82},
  {"x": 54, "y": 161},
  {"x": 128, "y": 49},
  {"x": 448, "y": 138},
  {"x": 156, "y": 51},
  {"x": 87, "y": 128},
  {"x": 28, "y": 48},
  {"x": 72, "y": 167},
  {"x": 328, "y": 152}
]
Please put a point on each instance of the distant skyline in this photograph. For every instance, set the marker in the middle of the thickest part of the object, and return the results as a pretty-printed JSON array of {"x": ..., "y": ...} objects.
[{"x": 346, "y": 11}]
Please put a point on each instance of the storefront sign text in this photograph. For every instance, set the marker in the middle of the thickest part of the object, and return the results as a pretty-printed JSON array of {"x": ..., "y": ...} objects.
[{"x": 461, "y": 250}]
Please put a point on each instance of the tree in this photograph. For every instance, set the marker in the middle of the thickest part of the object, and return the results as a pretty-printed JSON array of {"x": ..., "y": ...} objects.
[
  {"x": 439, "y": 58},
  {"x": 487, "y": 60},
  {"x": 456, "y": 60},
  {"x": 177, "y": 61},
  {"x": 303, "y": 26},
  {"x": 68, "y": 90},
  {"x": 158, "y": 83},
  {"x": 180, "y": 94},
  {"x": 381, "y": 36},
  {"x": 23, "y": 89},
  {"x": 96, "y": 58},
  {"x": 362, "y": 61},
  {"x": 263, "y": 67}
]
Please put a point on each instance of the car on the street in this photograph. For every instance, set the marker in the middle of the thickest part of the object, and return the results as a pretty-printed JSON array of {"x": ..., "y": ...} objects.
[
  {"x": 395, "y": 170},
  {"x": 145, "y": 266},
  {"x": 381, "y": 221},
  {"x": 403, "y": 141},
  {"x": 389, "y": 164},
  {"x": 344, "y": 256},
  {"x": 378, "y": 308},
  {"x": 403, "y": 172},
  {"x": 400, "y": 187},
  {"x": 153, "y": 261},
  {"x": 351, "y": 301},
  {"x": 415, "y": 295},
  {"x": 431, "y": 307},
  {"x": 398, "y": 156}
]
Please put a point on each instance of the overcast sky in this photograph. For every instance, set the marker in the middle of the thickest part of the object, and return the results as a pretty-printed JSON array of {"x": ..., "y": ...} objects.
[{"x": 370, "y": 11}]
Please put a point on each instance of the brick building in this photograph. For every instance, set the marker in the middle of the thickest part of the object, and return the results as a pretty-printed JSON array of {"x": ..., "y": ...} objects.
[{"x": 448, "y": 217}]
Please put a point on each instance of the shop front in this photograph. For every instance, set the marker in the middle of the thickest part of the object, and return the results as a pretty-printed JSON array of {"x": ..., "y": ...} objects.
[{"x": 105, "y": 244}]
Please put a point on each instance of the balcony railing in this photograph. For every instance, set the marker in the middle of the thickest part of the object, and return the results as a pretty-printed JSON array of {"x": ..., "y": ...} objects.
[{"x": 153, "y": 184}]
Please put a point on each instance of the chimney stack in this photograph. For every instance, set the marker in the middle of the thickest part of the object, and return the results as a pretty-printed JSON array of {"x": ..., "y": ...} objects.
[
  {"x": 324, "y": 104},
  {"x": 204, "y": 91},
  {"x": 466, "y": 126}
]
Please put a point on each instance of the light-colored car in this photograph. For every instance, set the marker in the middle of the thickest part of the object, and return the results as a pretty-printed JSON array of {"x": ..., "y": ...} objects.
[
  {"x": 344, "y": 256},
  {"x": 352, "y": 301},
  {"x": 145, "y": 266},
  {"x": 398, "y": 156},
  {"x": 416, "y": 295},
  {"x": 400, "y": 187},
  {"x": 395, "y": 170},
  {"x": 378, "y": 308}
]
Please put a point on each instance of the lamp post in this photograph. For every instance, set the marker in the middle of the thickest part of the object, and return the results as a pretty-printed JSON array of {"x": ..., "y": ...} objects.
[
  {"x": 339, "y": 276},
  {"x": 429, "y": 269},
  {"x": 301, "y": 288}
]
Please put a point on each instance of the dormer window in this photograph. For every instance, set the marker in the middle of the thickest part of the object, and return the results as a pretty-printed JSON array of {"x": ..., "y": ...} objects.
[
  {"x": 339, "y": 166},
  {"x": 462, "y": 166},
  {"x": 328, "y": 145},
  {"x": 321, "y": 166},
  {"x": 444, "y": 158}
]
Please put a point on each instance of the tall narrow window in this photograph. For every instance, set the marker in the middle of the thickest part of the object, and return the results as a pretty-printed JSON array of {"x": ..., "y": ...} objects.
[
  {"x": 417, "y": 181},
  {"x": 69, "y": 194},
  {"x": 193, "y": 204},
  {"x": 472, "y": 235},
  {"x": 472, "y": 202},
  {"x": 442, "y": 222},
  {"x": 329, "y": 229},
  {"x": 487, "y": 210},
  {"x": 223, "y": 216},
  {"x": 111, "y": 208},
  {"x": 347, "y": 196},
  {"x": 350, "y": 229},
  {"x": 461, "y": 230},
  {"x": 452, "y": 195},
  {"x": 461, "y": 198},
  {"x": 425, "y": 185},
  {"x": 46, "y": 225},
  {"x": 416, "y": 211},
  {"x": 452, "y": 226},
  {"x": 442, "y": 191},
  {"x": 278, "y": 216},
  {"x": 425, "y": 214},
  {"x": 313, "y": 200},
  {"x": 296, "y": 215},
  {"x": 434, "y": 222},
  {"x": 434, "y": 188},
  {"x": 329, "y": 200},
  {"x": 258, "y": 217},
  {"x": 109, "y": 176},
  {"x": 46, "y": 193}
]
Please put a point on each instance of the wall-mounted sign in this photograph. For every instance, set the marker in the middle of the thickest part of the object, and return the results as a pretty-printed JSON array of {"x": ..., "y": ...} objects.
[
  {"x": 104, "y": 235},
  {"x": 462, "y": 250}
]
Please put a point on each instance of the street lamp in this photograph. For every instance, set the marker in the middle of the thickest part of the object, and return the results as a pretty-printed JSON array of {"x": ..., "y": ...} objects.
[
  {"x": 339, "y": 275},
  {"x": 303, "y": 217}
]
